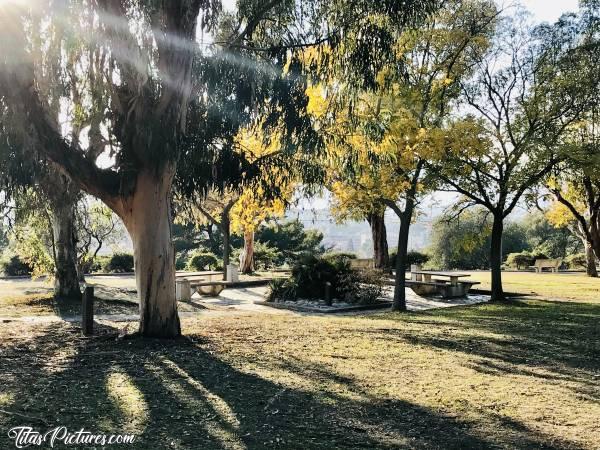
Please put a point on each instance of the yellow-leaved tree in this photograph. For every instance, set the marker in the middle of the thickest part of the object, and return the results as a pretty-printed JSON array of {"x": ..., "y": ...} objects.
[
  {"x": 570, "y": 210},
  {"x": 379, "y": 142},
  {"x": 266, "y": 196}
]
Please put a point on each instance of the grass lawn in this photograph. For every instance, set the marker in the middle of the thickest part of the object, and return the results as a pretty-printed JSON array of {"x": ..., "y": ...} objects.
[
  {"x": 568, "y": 286},
  {"x": 524, "y": 375}
]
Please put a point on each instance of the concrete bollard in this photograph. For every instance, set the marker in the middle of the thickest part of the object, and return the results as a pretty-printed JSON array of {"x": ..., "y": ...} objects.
[
  {"x": 87, "y": 311},
  {"x": 232, "y": 273},
  {"x": 415, "y": 276},
  {"x": 183, "y": 291}
]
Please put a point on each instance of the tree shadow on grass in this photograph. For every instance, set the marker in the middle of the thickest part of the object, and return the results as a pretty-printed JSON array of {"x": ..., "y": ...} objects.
[
  {"x": 181, "y": 394},
  {"x": 519, "y": 337}
]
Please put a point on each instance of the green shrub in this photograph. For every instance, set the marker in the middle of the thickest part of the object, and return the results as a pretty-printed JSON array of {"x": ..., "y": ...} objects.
[
  {"x": 416, "y": 258},
  {"x": 412, "y": 257},
  {"x": 520, "y": 260},
  {"x": 336, "y": 258},
  {"x": 282, "y": 289},
  {"x": 13, "y": 266},
  {"x": 311, "y": 273},
  {"x": 266, "y": 257},
  {"x": 118, "y": 263},
  {"x": 363, "y": 286},
  {"x": 181, "y": 260},
  {"x": 202, "y": 261},
  {"x": 577, "y": 261}
]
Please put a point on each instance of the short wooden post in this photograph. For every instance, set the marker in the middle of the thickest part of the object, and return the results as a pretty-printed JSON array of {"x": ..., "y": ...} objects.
[
  {"x": 87, "y": 311},
  {"x": 328, "y": 293}
]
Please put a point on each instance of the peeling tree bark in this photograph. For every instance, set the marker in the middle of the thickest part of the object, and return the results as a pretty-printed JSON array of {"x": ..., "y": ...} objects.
[
  {"x": 62, "y": 195},
  {"x": 381, "y": 257},
  {"x": 590, "y": 260},
  {"x": 147, "y": 217},
  {"x": 247, "y": 255},
  {"x": 66, "y": 279}
]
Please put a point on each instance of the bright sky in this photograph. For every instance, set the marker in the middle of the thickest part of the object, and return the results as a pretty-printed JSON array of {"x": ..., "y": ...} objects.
[{"x": 549, "y": 10}]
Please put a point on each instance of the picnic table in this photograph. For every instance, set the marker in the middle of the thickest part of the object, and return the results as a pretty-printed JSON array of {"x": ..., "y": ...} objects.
[
  {"x": 452, "y": 276},
  {"x": 203, "y": 282}
]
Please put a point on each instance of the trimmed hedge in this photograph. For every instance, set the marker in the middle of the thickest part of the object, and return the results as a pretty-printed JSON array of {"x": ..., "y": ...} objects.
[
  {"x": 520, "y": 260},
  {"x": 412, "y": 257},
  {"x": 202, "y": 261},
  {"x": 118, "y": 263}
]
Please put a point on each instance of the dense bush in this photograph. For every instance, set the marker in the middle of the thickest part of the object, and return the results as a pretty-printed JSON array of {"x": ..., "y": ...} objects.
[
  {"x": 202, "y": 261},
  {"x": 311, "y": 273},
  {"x": 465, "y": 243},
  {"x": 336, "y": 258},
  {"x": 577, "y": 261},
  {"x": 118, "y": 263},
  {"x": 266, "y": 257},
  {"x": 412, "y": 257},
  {"x": 181, "y": 260},
  {"x": 520, "y": 260},
  {"x": 290, "y": 241},
  {"x": 12, "y": 266}
]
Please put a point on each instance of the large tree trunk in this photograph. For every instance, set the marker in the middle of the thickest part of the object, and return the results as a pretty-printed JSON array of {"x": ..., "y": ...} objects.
[
  {"x": 247, "y": 255},
  {"x": 148, "y": 220},
  {"x": 496, "y": 258},
  {"x": 381, "y": 257},
  {"x": 399, "y": 303},
  {"x": 66, "y": 278},
  {"x": 590, "y": 260}
]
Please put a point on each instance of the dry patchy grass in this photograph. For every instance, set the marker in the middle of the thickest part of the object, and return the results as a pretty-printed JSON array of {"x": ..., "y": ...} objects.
[{"x": 523, "y": 375}]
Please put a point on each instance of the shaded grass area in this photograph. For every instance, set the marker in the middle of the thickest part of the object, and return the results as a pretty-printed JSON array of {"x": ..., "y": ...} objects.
[
  {"x": 44, "y": 304},
  {"x": 568, "y": 286},
  {"x": 15, "y": 306},
  {"x": 523, "y": 375}
]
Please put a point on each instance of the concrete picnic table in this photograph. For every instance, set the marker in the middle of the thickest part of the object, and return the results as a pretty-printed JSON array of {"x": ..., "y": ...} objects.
[
  {"x": 202, "y": 282},
  {"x": 453, "y": 276},
  {"x": 195, "y": 275}
]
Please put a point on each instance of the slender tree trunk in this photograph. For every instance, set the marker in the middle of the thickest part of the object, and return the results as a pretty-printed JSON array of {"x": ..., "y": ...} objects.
[
  {"x": 226, "y": 229},
  {"x": 247, "y": 255},
  {"x": 399, "y": 303},
  {"x": 66, "y": 278},
  {"x": 590, "y": 260},
  {"x": 496, "y": 258},
  {"x": 148, "y": 220},
  {"x": 381, "y": 257},
  {"x": 595, "y": 232}
]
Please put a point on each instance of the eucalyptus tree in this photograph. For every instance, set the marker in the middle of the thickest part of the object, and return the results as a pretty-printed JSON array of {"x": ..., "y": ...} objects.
[
  {"x": 151, "y": 63},
  {"x": 35, "y": 189},
  {"x": 518, "y": 106}
]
